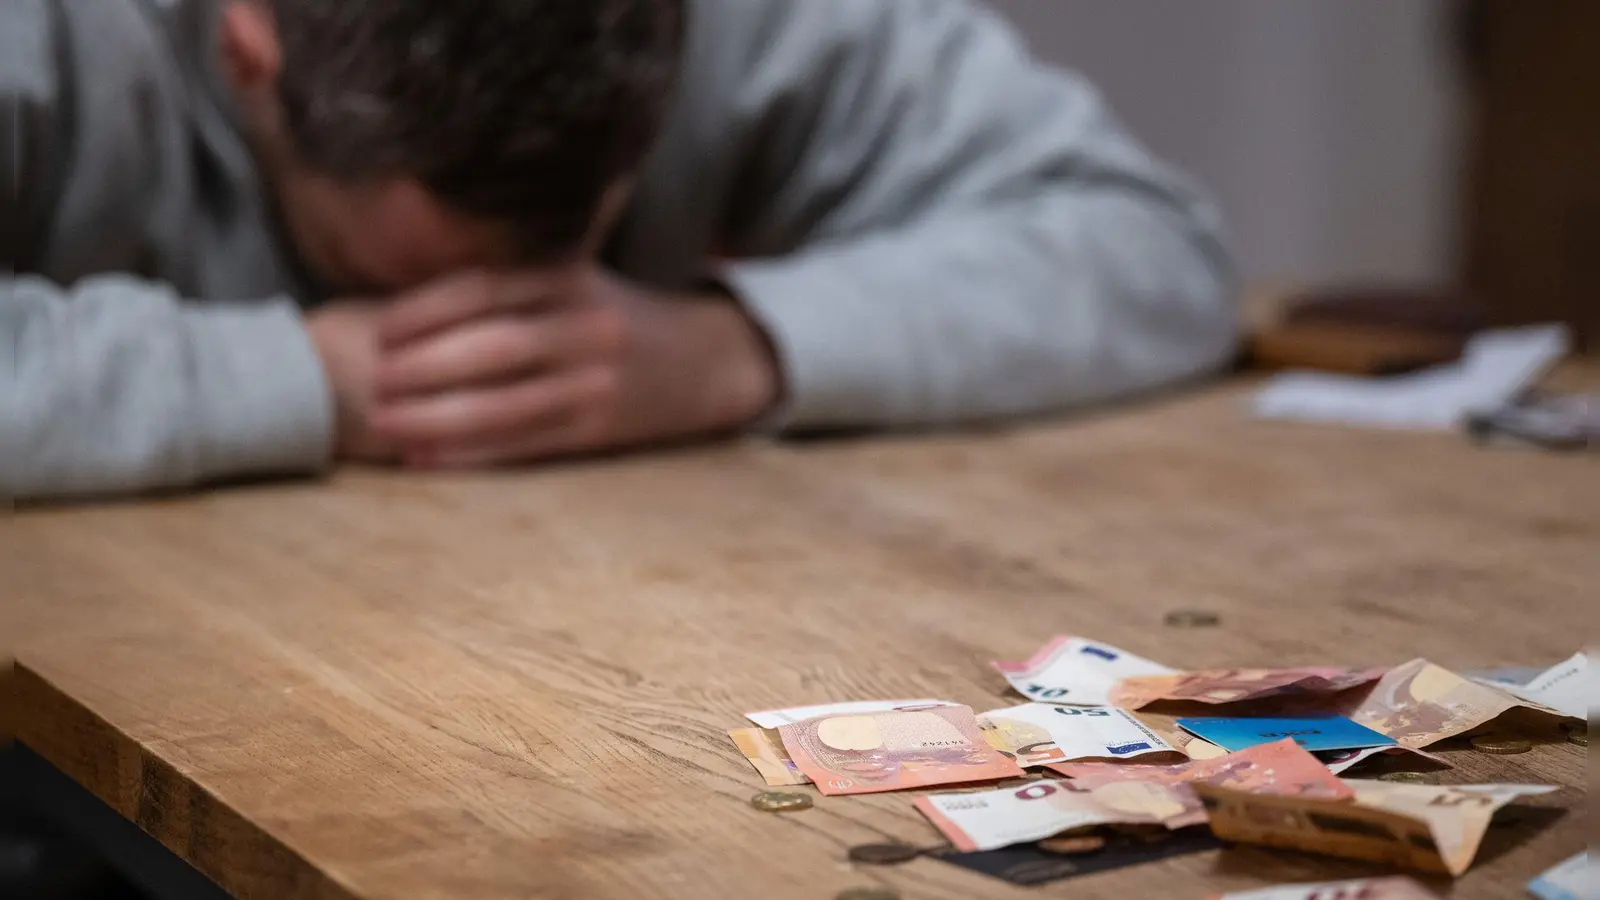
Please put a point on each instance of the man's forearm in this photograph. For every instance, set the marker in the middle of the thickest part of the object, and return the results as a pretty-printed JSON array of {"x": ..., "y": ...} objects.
[
  {"x": 117, "y": 386},
  {"x": 1077, "y": 296}
]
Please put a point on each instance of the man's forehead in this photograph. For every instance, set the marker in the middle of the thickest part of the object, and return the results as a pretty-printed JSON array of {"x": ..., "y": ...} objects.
[{"x": 398, "y": 233}]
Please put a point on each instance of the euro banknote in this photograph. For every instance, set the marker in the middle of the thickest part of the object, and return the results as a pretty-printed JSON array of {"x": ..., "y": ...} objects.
[
  {"x": 1563, "y": 687},
  {"x": 1278, "y": 768},
  {"x": 1036, "y": 734},
  {"x": 1131, "y": 794},
  {"x": 1076, "y": 670},
  {"x": 894, "y": 750},
  {"x": 989, "y": 820},
  {"x": 1219, "y": 686},
  {"x": 1166, "y": 727},
  {"x": 777, "y": 718},
  {"x": 1419, "y": 704},
  {"x": 1339, "y": 761},
  {"x": 1392, "y": 888},
  {"x": 763, "y": 747},
  {"x": 1427, "y": 827}
]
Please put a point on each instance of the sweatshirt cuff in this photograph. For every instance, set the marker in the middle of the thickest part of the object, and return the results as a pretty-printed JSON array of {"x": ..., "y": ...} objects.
[
  {"x": 846, "y": 361},
  {"x": 264, "y": 406}
]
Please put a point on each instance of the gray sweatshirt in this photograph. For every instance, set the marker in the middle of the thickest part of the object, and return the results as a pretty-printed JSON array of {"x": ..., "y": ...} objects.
[{"x": 932, "y": 227}]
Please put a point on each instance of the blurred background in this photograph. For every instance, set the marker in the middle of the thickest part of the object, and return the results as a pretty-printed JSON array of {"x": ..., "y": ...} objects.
[{"x": 1415, "y": 144}]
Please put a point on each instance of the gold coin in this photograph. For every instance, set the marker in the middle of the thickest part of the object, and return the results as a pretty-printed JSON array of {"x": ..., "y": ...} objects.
[
  {"x": 779, "y": 802},
  {"x": 868, "y": 893},
  {"x": 1581, "y": 738},
  {"x": 1192, "y": 618},
  {"x": 1073, "y": 846},
  {"x": 1148, "y": 834},
  {"x": 884, "y": 854},
  {"x": 1408, "y": 778},
  {"x": 1501, "y": 746}
]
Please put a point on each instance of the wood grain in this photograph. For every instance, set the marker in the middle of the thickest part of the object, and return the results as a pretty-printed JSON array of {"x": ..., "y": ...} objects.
[{"x": 518, "y": 685}]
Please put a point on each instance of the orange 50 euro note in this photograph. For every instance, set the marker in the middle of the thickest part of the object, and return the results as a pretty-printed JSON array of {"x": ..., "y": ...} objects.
[
  {"x": 1419, "y": 704},
  {"x": 1219, "y": 686},
  {"x": 892, "y": 751}
]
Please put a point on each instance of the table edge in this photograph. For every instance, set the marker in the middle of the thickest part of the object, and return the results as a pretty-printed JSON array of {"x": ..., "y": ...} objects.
[{"x": 179, "y": 813}]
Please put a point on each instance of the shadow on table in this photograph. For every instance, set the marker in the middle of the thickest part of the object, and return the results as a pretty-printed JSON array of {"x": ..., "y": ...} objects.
[
  {"x": 1513, "y": 827},
  {"x": 1275, "y": 866}
]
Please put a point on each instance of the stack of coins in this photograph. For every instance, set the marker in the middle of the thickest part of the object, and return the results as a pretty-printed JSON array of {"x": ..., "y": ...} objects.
[
  {"x": 1577, "y": 733},
  {"x": 1501, "y": 746}
]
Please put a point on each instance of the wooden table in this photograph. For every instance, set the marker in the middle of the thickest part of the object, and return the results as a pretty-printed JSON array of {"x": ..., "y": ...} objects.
[{"x": 519, "y": 685}]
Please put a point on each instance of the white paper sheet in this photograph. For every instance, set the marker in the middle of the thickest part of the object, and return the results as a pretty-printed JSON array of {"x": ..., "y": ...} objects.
[{"x": 1496, "y": 367}]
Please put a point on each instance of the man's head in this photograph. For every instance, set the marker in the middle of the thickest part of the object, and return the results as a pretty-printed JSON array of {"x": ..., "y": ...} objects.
[{"x": 406, "y": 139}]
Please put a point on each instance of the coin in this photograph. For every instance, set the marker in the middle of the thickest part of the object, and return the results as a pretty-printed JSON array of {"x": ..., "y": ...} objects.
[
  {"x": 884, "y": 854},
  {"x": 1501, "y": 746},
  {"x": 1576, "y": 736},
  {"x": 867, "y": 893},
  {"x": 1147, "y": 834},
  {"x": 1408, "y": 778},
  {"x": 1192, "y": 618},
  {"x": 1073, "y": 846},
  {"x": 779, "y": 802}
]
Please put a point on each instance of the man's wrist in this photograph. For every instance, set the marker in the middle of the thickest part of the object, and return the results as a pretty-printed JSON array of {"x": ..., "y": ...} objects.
[
  {"x": 747, "y": 376},
  {"x": 344, "y": 337}
]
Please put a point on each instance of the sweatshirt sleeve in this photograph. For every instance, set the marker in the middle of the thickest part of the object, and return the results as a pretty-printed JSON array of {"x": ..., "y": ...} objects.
[
  {"x": 114, "y": 384},
  {"x": 117, "y": 386},
  {"x": 974, "y": 235}
]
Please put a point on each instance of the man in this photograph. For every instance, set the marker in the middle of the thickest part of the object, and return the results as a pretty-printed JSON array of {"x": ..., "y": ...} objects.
[{"x": 252, "y": 236}]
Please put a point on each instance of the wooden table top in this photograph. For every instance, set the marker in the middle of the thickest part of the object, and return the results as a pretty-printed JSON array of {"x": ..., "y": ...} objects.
[{"x": 519, "y": 685}]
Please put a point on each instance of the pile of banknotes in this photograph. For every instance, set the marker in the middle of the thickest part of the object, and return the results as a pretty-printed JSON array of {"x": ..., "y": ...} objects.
[{"x": 1116, "y": 759}]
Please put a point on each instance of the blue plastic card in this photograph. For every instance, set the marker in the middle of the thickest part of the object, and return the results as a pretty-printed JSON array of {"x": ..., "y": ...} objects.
[{"x": 1320, "y": 733}]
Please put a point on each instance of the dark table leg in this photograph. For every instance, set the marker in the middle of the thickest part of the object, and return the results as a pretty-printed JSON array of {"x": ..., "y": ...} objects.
[{"x": 60, "y": 842}]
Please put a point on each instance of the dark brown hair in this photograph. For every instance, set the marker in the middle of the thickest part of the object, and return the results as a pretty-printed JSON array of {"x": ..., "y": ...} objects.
[{"x": 523, "y": 111}]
